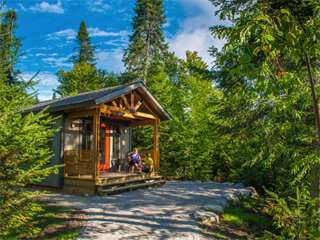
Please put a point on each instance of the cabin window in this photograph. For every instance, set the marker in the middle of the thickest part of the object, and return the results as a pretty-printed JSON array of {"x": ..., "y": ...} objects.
[{"x": 86, "y": 135}]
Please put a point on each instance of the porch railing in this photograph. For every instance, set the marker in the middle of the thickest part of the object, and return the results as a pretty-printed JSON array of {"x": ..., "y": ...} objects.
[{"x": 79, "y": 162}]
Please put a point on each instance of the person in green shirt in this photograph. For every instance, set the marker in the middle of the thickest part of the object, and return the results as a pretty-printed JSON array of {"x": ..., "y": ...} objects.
[{"x": 147, "y": 164}]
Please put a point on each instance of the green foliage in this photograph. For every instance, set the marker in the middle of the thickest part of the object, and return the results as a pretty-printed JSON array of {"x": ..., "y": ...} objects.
[
  {"x": 9, "y": 46},
  {"x": 188, "y": 146},
  {"x": 246, "y": 218},
  {"x": 84, "y": 78},
  {"x": 267, "y": 101},
  {"x": 267, "y": 96},
  {"x": 85, "y": 51},
  {"x": 23, "y": 138},
  {"x": 147, "y": 42},
  {"x": 22, "y": 141},
  {"x": 298, "y": 217},
  {"x": 245, "y": 211},
  {"x": 49, "y": 219}
]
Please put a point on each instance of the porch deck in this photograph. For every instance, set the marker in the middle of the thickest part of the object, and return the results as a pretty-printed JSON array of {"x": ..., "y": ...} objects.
[{"x": 85, "y": 184}]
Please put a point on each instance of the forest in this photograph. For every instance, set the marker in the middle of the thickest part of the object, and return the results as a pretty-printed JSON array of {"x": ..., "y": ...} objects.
[{"x": 252, "y": 118}]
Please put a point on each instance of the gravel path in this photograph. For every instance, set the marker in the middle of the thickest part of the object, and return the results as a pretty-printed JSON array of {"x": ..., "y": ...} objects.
[{"x": 164, "y": 212}]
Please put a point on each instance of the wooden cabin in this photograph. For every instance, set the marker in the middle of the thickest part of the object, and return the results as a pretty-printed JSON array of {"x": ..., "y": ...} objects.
[{"x": 95, "y": 138}]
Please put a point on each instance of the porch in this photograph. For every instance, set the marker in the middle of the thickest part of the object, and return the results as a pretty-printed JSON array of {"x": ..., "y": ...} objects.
[{"x": 110, "y": 182}]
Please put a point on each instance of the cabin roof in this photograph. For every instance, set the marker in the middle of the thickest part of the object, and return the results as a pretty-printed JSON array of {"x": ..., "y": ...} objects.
[{"x": 99, "y": 96}]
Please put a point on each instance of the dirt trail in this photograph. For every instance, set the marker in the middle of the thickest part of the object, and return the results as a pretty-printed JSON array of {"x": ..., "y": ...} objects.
[{"x": 164, "y": 212}]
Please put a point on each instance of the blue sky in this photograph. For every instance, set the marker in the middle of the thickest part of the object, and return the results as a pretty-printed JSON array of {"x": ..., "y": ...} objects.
[{"x": 50, "y": 28}]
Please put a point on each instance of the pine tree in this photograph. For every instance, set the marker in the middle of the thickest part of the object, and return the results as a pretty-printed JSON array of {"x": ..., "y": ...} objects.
[
  {"x": 82, "y": 78},
  {"x": 23, "y": 138},
  {"x": 147, "y": 41},
  {"x": 85, "y": 51},
  {"x": 9, "y": 46}
]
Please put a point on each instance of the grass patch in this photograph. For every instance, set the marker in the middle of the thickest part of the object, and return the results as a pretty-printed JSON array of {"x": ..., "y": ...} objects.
[
  {"x": 55, "y": 222},
  {"x": 240, "y": 216},
  {"x": 244, "y": 219}
]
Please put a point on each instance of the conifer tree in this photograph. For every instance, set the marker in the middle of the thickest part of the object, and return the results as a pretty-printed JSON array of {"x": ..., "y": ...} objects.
[
  {"x": 9, "y": 46},
  {"x": 23, "y": 138},
  {"x": 82, "y": 78},
  {"x": 85, "y": 51},
  {"x": 147, "y": 41}
]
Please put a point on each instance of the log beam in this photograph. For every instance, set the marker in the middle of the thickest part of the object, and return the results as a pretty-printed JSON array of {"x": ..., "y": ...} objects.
[
  {"x": 83, "y": 113},
  {"x": 120, "y": 104},
  {"x": 156, "y": 146},
  {"x": 141, "y": 123},
  {"x": 125, "y": 101},
  {"x": 146, "y": 104},
  {"x": 125, "y": 111},
  {"x": 114, "y": 103},
  {"x": 138, "y": 104},
  {"x": 132, "y": 99},
  {"x": 96, "y": 130}
]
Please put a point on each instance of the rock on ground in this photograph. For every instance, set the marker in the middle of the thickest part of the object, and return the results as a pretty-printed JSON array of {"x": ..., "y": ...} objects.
[
  {"x": 254, "y": 192},
  {"x": 214, "y": 208},
  {"x": 204, "y": 216},
  {"x": 221, "y": 202},
  {"x": 230, "y": 196},
  {"x": 239, "y": 185}
]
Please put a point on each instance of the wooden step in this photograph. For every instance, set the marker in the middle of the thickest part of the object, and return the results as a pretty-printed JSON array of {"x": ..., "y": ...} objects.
[
  {"x": 100, "y": 186},
  {"x": 129, "y": 188}
]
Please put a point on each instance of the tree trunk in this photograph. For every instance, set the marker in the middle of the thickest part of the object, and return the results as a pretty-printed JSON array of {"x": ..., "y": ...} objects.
[
  {"x": 314, "y": 191},
  {"x": 147, "y": 57}
]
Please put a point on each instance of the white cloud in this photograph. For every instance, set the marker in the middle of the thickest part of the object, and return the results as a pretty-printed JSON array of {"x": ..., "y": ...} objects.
[
  {"x": 22, "y": 7},
  {"x": 58, "y": 62},
  {"x": 199, "y": 40},
  {"x": 96, "y": 32},
  {"x": 98, "y": 6},
  {"x": 45, "y": 95},
  {"x": 68, "y": 34},
  {"x": 123, "y": 42},
  {"x": 40, "y": 54},
  {"x": 47, "y": 81},
  {"x": 23, "y": 57},
  {"x": 46, "y": 78},
  {"x": 46, "y": 7},
  {"x": 111, "y": 59},
  {"x": 167, "y": 24},
  {"x": 39, "y": 48},
  {"x": 194, "y": 34},
  {"x": 4, "y": 8}
]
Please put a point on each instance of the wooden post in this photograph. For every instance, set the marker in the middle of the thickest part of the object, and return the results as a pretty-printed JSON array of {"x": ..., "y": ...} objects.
[
  {"x": 96, "y": 129},
  {"x": 156, "y": 146},
  {"x": 65, "y": 174},
  {"x": 79, "y": 159}
]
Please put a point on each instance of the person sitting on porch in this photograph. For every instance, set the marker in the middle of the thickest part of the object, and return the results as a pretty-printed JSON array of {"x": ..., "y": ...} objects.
[
  {"x": 134, "y": 157},
  {"x": 147, "y": 164}
]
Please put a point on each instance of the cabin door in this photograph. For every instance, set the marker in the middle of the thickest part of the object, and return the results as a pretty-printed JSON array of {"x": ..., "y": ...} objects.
[{"x": 104, "y": 147}]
